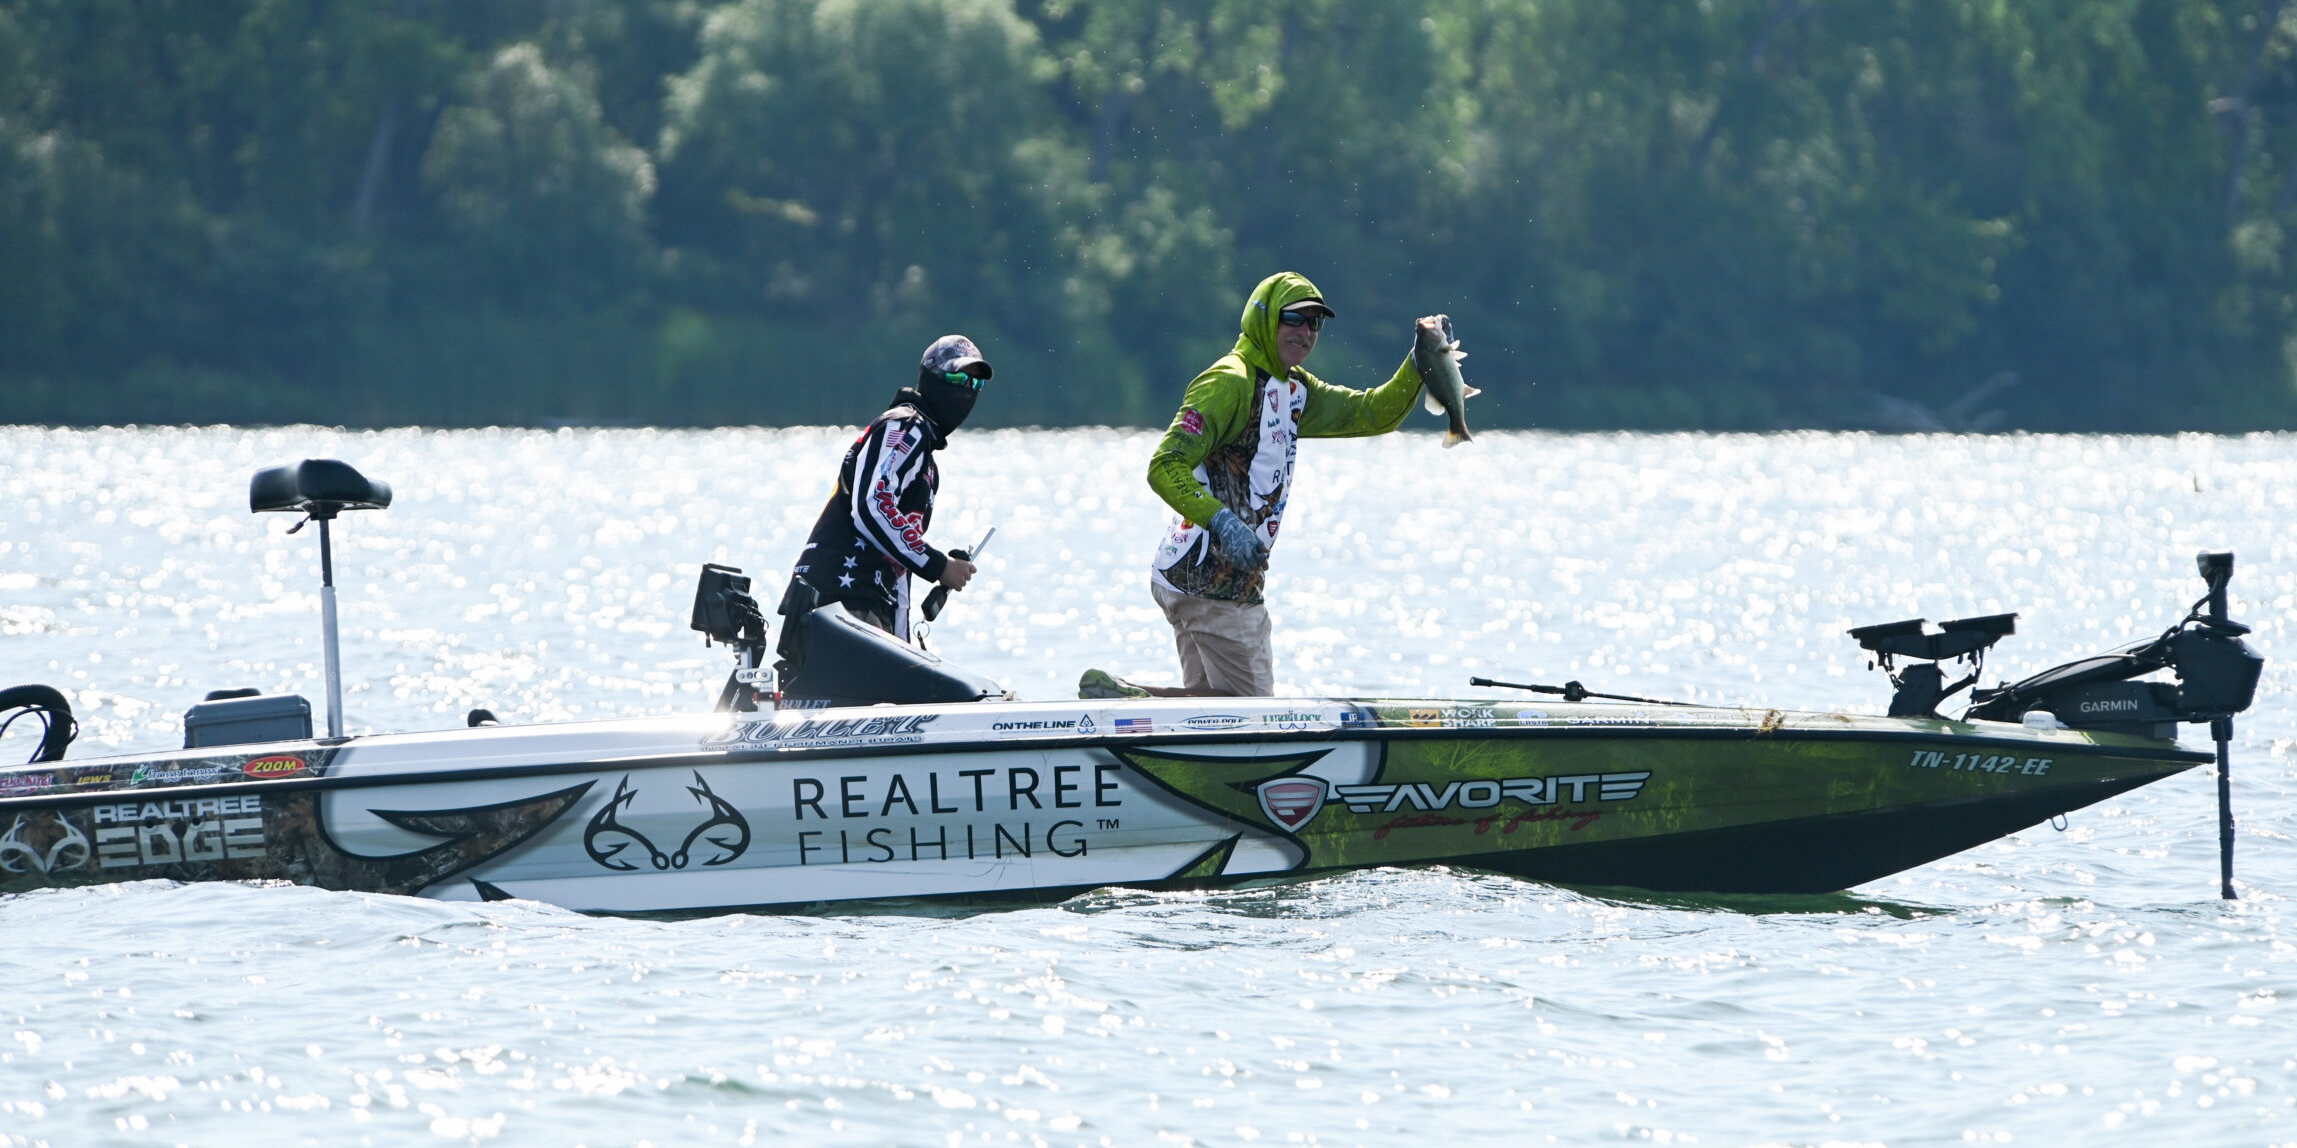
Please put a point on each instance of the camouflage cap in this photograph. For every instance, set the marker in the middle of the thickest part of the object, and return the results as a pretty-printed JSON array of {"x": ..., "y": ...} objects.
[{"x": 955, "y": 353}]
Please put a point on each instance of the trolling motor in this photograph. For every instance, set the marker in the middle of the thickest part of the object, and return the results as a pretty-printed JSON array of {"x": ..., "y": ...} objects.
[
  {"x": 319, "y": 489},
  {"x": 2216, "y": 674},
  {"x": 725, "y": 612}
]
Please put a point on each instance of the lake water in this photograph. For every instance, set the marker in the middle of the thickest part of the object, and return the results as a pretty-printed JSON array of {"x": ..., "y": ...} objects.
[{"x": 2083, "y": 986}]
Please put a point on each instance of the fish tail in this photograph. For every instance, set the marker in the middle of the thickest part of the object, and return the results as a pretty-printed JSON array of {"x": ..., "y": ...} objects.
[{"x": 1458, "y": 432}]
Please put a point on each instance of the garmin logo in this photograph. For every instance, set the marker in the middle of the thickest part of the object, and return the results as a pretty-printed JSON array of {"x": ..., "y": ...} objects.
[{"x": 2109, "y": 706}]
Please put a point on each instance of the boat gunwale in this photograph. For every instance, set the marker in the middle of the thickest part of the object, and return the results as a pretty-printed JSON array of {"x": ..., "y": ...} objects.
[{"x": 793, "y": 754}]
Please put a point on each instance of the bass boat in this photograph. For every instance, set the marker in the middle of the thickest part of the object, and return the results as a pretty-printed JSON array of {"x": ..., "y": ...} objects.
[{"x": 878, "y": 771}]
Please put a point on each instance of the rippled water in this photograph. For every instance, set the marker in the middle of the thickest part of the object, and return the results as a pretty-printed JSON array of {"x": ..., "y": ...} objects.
[{"x": 2077, "y": 987}]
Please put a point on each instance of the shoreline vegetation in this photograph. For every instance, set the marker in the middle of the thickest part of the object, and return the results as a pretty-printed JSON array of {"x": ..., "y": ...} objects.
[{"x": 1731, "y": 215}]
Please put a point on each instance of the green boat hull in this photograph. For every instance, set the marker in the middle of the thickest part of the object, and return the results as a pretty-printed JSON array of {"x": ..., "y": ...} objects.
[{"x": 1788, "y": 806}]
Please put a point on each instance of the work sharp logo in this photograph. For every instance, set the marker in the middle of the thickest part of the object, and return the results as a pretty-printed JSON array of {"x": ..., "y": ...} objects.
[
  {"x": 1292, "y": 801},
  {"x": 1474, "y": 716},
  {"x": 1470, "y": 717},
  {"x": 1572, "y": 790}
]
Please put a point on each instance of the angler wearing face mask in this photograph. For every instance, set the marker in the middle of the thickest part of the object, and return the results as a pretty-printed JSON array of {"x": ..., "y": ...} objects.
[
  {"x": 870, "y": 538},
  {"x": 1225, "y": 468}
]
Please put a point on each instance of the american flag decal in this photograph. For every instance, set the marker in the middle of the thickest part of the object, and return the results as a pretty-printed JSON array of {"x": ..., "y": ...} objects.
[
  {"x": 1134, "y": 725},
  {"x": 1292, "y": 801}
]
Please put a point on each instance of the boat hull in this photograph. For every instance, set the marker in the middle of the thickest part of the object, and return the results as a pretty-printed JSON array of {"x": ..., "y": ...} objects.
[{"x": 1009, "y": 800}]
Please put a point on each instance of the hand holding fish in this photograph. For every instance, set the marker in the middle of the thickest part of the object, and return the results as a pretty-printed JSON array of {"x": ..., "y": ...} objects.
[{"x": 1436, "y": 351}]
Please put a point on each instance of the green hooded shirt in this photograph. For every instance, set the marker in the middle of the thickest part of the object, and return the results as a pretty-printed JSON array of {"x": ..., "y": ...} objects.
[
  {"x": 1220, "y": 411},
  {"x": 1222, "y": 399}
]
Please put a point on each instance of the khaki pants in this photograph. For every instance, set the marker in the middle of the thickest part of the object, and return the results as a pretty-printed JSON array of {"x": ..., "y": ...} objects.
[{"x": 1224, "y": 646}]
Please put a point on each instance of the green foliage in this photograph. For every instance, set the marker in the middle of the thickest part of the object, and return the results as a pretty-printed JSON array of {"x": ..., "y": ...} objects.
[
  {"x": 1723, "y": 213},
  {"x": 541, "y": 196},
  {"x": 860, "y": 156}
]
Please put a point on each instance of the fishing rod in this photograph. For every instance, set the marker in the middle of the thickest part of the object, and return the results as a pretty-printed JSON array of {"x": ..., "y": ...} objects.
[
  {"x": 940, "y": 595},
  {"x": 1574, "y": 692}
]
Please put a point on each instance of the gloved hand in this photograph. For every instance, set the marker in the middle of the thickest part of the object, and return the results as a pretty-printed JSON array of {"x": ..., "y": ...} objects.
[{"x": 1237, "y": 541}]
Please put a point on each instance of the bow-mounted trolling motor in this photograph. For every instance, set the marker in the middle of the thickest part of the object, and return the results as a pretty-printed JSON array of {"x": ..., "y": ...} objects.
[
  {"x": 1922, "y": 686},
  {"x": 318, "y": 489},
  {"x": 2216, "y": 674},
  {"x": 2216, "y": 671}
]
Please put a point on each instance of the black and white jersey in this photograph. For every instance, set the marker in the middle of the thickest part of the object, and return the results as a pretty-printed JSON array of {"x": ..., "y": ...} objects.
[{"x": 871, "y": 536}]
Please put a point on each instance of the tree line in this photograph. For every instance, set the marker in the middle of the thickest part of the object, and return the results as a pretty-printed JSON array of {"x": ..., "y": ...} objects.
[{"x": 2070, "y": 214}]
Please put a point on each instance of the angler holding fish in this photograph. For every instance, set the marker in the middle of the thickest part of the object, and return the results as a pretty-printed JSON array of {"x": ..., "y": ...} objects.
[{"x": 1225, "y": 467}]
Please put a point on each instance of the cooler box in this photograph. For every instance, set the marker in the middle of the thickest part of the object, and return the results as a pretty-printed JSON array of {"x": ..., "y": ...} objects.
[{"x": 240, "y": 720}]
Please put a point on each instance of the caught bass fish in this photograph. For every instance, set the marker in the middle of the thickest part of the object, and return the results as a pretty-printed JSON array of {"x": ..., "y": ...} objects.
[{"x": 1437, "y": 354}]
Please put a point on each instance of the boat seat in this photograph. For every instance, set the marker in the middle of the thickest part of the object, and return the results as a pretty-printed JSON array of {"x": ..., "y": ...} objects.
[
  {"x": 319, "y": 487},
  {"x": 1913, "y": 638}
]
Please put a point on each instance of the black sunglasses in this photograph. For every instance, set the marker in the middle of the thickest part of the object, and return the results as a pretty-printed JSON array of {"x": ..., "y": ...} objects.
[{"x": 1313, "y": 322}]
